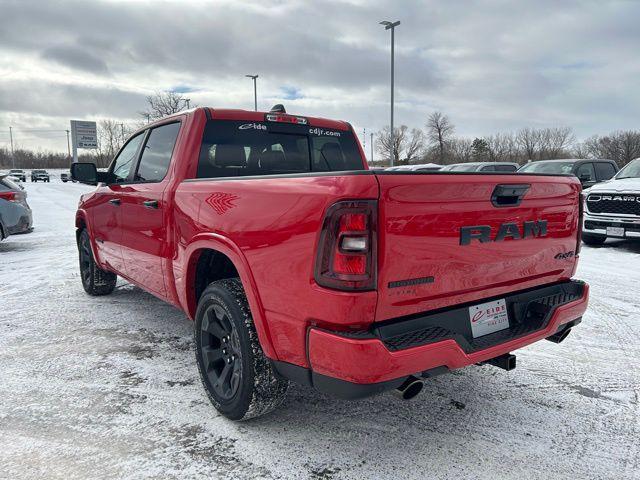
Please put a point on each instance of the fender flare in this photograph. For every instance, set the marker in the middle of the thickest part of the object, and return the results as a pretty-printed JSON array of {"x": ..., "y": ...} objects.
[
  {"x": 214, "y": 241},
  {"x": 81, "y": 217}
]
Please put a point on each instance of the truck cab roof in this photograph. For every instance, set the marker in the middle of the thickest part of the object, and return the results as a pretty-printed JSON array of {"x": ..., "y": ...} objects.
[{"x": 256, "y": 116}]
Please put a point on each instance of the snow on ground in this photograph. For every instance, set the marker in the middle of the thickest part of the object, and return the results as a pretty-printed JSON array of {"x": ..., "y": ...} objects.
[{"x": 108, "y": 388}]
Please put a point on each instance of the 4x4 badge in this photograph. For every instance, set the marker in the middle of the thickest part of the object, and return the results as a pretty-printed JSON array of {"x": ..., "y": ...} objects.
[{"x": 564, "y": 255}]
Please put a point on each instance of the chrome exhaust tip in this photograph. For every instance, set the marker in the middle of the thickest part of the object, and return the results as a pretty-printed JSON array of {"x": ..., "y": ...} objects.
[
  {"x": 410, "y": 388},
  {"x": 559, "y": 336}
]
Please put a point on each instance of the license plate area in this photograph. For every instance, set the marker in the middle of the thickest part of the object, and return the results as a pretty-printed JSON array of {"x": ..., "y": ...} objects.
[
  {"x": 488, "y": 317},
  {"x": 615, "y": 231}
]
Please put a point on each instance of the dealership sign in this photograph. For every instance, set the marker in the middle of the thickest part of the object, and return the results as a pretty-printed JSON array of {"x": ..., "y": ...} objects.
[{"x": 84, "y": 134}]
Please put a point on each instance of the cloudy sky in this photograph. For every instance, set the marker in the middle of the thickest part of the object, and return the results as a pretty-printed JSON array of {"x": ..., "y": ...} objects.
[{"x": 491, "y": 65}]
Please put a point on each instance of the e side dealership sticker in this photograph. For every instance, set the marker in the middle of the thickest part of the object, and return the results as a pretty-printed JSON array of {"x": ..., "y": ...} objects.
[
  {"x": 253, "y": 126},
  {"x": 488, "y": 317}
]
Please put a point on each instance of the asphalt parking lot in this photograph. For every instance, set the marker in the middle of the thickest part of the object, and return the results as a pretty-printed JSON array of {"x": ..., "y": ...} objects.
[{"x": 108, "y": 388}]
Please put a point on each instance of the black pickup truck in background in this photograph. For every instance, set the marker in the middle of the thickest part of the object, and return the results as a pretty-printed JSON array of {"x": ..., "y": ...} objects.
[{"x": 40, "y": 176}]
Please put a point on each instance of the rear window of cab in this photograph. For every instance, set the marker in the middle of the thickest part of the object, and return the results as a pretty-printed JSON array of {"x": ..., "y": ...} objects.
[{"x": 240, "y": 148}]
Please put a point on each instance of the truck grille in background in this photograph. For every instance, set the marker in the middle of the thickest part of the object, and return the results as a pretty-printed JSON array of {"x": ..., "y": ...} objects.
[{"x": 614, "y": 204}]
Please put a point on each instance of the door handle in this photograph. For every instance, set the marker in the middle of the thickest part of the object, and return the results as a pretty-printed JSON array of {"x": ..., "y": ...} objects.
[
  {"x": 115, "y": 202},
  {"x": 150, "y": 203}
]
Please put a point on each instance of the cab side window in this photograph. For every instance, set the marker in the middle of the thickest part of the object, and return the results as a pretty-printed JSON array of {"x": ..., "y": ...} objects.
[
  {"x": 586, "y": 170},
  {"x": 156, "y": 153},
  {"x": 122, "y": 164},
  {"x": 506, "y": 168},
  {"x": 605, "y": 171}
]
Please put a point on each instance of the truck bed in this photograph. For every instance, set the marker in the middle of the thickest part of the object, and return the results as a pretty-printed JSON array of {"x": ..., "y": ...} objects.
[{"x": 421, "y": 265}]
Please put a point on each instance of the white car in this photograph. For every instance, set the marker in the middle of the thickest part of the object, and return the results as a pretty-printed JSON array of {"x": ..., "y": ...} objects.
[
  {"x": 421, "y": 167},
  {"x": 505, "y": 167},
  {"x": 16, "y": 180},
  {"x": 612, "y": 208}
]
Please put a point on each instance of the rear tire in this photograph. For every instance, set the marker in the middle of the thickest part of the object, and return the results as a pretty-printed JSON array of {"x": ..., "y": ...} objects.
[
  {"x": 593, "y": 240},
  {"x": 95, "y": 281},
  {"x": 237, "y": 376}
]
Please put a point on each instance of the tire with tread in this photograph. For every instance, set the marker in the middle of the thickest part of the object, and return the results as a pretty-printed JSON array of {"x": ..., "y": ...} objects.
[
  {"x": 95, "y": 281},
  {"x": 257, "y": 388}
]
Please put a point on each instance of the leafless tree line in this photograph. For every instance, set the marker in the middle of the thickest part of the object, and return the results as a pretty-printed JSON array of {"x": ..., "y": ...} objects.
[
  {"x": 111, "y": 137},
  {"x": 621, "y": 146},
  {"x": 30, "y": 159},
  {"x": 437, "y": 143}
]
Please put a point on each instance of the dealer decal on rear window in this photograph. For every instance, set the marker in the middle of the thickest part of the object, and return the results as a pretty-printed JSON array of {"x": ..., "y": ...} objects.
[
  {"x": 254, "y": 126},
  {"x": 321, "y": 131}
]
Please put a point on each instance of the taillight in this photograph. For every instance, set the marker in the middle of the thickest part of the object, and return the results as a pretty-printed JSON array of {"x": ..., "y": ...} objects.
[
  {"x": 9, "y": 196},
  {"x": 346, "y": 258},
  {"x": 580, "y": 222}
]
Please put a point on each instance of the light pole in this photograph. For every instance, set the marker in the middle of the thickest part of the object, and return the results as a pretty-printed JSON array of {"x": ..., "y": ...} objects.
[
  {"x": 188, "y": 102},
  {"x": 68, "y": 145},
  {"x": 13, "y": 157},
  {"x": 391, "y": 26},
  {"x": 371, "y": 147},
  {"x": 255, "y": 91}
]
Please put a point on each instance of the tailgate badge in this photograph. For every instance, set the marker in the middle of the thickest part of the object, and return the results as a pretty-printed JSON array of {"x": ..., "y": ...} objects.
[{"x": 482, "y": 233}]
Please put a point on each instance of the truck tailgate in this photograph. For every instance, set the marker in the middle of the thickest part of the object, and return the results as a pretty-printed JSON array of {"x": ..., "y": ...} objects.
[{"x": 429, "y": 257}]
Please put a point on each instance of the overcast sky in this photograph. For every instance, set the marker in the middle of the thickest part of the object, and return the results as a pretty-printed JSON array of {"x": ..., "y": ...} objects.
[{"x": 490, "y": 65}]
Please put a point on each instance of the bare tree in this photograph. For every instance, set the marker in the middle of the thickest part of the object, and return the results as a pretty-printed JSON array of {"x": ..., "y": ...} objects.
[
  {"x": 439, "y": 131},
  {"x": 111, "y": 137},
  {"x": 415, "y": 145},
  {"x": 557, "y": 142},
  {"x": 386, "y": 148},
  {"x": 162, "y": 104},
  {"x": 460, "y": 150},
  {"x": 629, "y": 146},
  {"x": 503, "y": 147},
  {"x": 109, "y": 140},
  {"x": 529, "y": 141},
  {"x": 621, "y": 146}
]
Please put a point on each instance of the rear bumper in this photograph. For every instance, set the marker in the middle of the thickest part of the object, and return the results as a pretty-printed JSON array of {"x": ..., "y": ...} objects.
[
  {"x": 22, "y": 220},
  {"x": 370, "y": 362}
]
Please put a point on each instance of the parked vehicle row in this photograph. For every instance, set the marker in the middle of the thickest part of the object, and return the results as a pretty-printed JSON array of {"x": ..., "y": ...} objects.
[
  {"x": 589, "y": 171},
  {"x": 15, "y": 213},
  {"x": 612, "y": 208},
  {"x": 423, "y": 167},
  {"x": 36, "y": 175},
  {"x": 481, "y": 167},
  {"x": 297, "y": 263}
]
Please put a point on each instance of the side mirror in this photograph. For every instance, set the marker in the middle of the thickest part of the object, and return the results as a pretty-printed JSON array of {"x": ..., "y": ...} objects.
[
  {"x": 84, "y": 173},
  {"x": 585, "y": 178},
  {"x": 88, "y": 173}
]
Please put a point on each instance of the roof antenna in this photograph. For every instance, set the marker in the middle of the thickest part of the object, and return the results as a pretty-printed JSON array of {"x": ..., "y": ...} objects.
[{"x": 278, "y": 108}]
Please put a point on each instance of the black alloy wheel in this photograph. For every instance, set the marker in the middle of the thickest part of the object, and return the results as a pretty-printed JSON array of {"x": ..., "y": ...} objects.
[
  {"x": 95, "y": 281},
  {"x": 86, "y": 260},
  {"x": 221, "y": 353}
]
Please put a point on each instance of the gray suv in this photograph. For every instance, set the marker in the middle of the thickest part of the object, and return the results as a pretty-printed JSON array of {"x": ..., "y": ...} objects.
[
  {"x": 588, "y": 171},
  {"x": 15, "y": 213}
]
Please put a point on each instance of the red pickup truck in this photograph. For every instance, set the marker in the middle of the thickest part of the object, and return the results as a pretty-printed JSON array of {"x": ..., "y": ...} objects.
[{"x": 297, "y": 263}]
